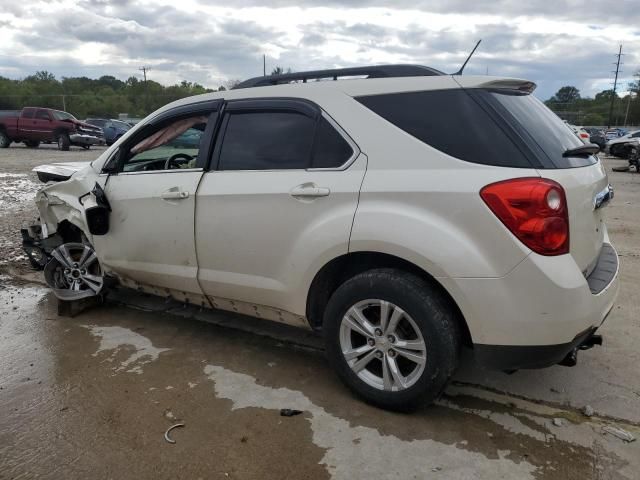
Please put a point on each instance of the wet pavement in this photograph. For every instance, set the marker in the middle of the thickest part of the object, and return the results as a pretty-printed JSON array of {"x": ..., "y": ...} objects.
[{"x": 92, "y": 396}]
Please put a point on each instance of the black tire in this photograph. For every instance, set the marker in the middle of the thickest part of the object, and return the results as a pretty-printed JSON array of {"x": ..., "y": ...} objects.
[
  {"x": 428, "y": 309},
  {"x": 32, "y": 144},
  {"x": 5, "y": 141},
  {"x": 63, "y": 142}
]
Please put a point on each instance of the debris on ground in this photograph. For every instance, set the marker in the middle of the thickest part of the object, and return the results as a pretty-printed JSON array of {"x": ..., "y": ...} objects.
[
  {"x": 168, "y": 414},
  {"x": 558, "y": 422},
  {"x": 288, "y": 412},
  {"x": 166, "y": 434},
  {"x": 619, "y": 433},
  {"x": 588, "y": 411}
]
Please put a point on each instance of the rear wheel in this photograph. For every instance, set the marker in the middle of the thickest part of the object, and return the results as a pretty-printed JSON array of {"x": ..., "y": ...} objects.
[
  {"x": 5, "y": 141},
  {"x": 391, "y": 338},
  {"x": 63, "y": 141},
  {"x": 32, "y": 144}
]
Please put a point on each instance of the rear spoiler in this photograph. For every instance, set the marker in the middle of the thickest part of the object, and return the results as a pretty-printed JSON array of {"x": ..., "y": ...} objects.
[{"x": 497, "y": 83}]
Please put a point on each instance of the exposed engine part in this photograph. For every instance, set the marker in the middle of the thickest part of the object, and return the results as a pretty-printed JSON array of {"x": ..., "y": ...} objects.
[{"x": 74, "y": 272}]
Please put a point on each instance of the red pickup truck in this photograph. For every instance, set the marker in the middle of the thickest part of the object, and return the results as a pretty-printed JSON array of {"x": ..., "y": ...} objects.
[{"x": 33, "y": 125}]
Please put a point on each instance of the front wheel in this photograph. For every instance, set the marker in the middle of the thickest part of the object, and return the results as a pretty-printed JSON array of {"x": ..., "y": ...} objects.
[{"x": 391, "y": 338}]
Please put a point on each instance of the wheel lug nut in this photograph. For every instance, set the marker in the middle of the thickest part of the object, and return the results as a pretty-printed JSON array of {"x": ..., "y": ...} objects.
[
  {"x": 378, "y": 354},
  {"x": 391, "y": 338},
  {"x": 378, "y": 332},
  {"x": 371, "y": 342},
  {"x": 391, "y": 353},
  {"x": 83, "y": 272}
]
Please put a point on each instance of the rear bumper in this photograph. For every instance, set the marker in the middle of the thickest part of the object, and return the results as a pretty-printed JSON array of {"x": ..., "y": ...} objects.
[
  {"x": 81, "y": 139},
  {"x": 507, "y": 357},
  {"x": 539, "y": 312}
]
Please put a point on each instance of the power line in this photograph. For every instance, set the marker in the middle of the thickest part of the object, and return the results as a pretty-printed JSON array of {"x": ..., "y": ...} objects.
[{"x": 615, "y": 85}]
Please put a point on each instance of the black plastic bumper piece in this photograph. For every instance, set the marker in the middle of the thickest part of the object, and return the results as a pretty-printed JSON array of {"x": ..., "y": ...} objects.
[
  {"x": 507, "y": 357},
  {"x": 605, "y": 269}
]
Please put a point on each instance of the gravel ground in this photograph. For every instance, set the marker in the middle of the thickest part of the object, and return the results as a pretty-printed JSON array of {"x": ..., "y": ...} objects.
[
  {"x": 18, "y": 186},
  {"x": 92, "y": 396}
]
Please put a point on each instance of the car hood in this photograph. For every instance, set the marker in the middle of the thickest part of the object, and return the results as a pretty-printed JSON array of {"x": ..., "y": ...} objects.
[{"x": 57, "y": 172}]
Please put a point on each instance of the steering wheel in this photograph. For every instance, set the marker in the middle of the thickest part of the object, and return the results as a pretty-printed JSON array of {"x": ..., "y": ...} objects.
[{"x": 173, "y": 160}]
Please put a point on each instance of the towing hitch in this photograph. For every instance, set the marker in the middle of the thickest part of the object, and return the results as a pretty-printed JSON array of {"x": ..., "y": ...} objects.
[{"x": 571, "y": 359}]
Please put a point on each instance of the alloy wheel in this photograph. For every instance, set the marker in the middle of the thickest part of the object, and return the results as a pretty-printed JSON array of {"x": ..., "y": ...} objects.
[
  {"x": 74, "y": 272},
  {"x": 382, "y": 345}
]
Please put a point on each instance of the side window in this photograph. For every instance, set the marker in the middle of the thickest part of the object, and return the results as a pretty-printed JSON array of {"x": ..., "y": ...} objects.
[
  {"x": 637, "y": 134},
  {"x": 267, "y": 140},
  {"x": 42, "y": 115},
  {"x": 28, "y": 113},
  {"x": 173, "y": 146},
  {"x": 450, "y": 121},
  {"x": 331, "y": 150}
]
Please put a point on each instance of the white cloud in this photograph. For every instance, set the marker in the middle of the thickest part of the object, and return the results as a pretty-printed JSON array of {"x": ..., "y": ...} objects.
[{"x": 552, "y": 43}]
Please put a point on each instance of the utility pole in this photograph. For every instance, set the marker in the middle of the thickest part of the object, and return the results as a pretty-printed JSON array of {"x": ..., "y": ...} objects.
[
  {"x": 615, "y": 85},
  {"x": 264, "y": 65},
  {"x": 146, "y": 92},
  {"x": 626, "y": 115},
  {"x": 64, "y": 103}
]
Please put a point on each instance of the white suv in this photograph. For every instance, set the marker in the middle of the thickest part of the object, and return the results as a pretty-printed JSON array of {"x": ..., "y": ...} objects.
[{"x": 354, "y": 208}]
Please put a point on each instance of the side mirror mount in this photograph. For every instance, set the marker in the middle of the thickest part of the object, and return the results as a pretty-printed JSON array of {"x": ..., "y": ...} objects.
[{"x": 112, "y": 165}]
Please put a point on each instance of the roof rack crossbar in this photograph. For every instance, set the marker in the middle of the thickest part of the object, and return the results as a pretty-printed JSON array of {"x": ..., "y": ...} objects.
[{"x": 377, "y": 71}]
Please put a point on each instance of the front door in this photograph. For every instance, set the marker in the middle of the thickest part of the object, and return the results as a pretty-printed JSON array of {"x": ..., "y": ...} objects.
[
  {"x": 152, "y": 196},
  {"x": 280, "y": 198}
]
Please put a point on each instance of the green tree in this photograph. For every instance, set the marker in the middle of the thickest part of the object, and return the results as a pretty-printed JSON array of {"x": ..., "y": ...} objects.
[{"x": 566, "y": 94}]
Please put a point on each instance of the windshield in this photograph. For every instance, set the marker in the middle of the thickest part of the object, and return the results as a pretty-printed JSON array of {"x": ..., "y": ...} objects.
[
  {"x": 548, "y": 136},
  {"x": 62, "y": 115},
  {"x": 119, "y": 124}
]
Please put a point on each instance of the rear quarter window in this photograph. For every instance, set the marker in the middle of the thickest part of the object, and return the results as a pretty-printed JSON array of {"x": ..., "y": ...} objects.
[{"x": 451, "y": 121}]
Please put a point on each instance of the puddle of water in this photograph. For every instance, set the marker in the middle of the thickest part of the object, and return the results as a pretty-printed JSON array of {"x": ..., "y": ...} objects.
[
  {"x": 115, "y": 338},
  {"x": 359, "y": 452}
]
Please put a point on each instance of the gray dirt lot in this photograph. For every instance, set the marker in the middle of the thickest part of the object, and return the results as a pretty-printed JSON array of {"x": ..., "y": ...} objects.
[{"x": 91, "y": 396}]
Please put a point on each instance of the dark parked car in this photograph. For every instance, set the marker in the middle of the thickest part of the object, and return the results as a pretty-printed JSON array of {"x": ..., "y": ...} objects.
[
  {"x": 113, "y": 129},
  {"x": 596, "y": 135}
]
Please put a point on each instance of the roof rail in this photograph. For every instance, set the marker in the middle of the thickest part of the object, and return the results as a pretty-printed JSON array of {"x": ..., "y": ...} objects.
[{"x": 377, "y": 71}]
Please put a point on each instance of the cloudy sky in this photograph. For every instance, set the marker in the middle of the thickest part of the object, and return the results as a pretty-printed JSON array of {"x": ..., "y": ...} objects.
[{"x": 554, "y": 43}]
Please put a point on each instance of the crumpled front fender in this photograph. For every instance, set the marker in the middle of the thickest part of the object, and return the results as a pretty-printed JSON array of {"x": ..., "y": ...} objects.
[{"x": 60, "y": 201}]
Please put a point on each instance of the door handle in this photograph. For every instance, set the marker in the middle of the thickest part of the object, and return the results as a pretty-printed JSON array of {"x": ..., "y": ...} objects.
[
  {"x": 309, "y": 190},
  {"x": 174, "y": 194}
]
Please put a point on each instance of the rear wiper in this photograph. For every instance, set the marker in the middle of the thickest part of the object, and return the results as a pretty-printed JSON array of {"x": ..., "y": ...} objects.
[{"x": 582, "y": 151}]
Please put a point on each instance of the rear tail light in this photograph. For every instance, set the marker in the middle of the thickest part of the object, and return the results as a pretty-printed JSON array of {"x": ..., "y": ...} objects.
[{"x": 534, "y": 210}]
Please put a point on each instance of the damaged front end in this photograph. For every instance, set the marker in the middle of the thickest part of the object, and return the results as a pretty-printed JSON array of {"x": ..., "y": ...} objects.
[{"x": 72, "y": 210}]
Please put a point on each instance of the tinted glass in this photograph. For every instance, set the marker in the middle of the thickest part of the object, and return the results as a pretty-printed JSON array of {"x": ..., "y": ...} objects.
[
  {"x": 330, "y": 150},
  {"x": 450, "y": 121},
  {"x": 42, "y": 115},
  {"x": 28, "y": 112},
  {"x": 546, "y": 130},
  {"x": 267, "y": 141},
  {"x": 58, "y": 115}
]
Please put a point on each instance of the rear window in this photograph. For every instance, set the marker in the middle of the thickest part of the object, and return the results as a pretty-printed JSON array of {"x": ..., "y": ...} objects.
[
  {"x": 500, "y": 128},
  {"x": 331, "y": 149},
  {"x": 543, "y": 131},
  {"x": 450, "y": 121},
  {"x": 267, "y": 141}
]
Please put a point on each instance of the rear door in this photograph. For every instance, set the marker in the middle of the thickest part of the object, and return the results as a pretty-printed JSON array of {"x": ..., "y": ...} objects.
[{"x": 280, "y": 197}]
